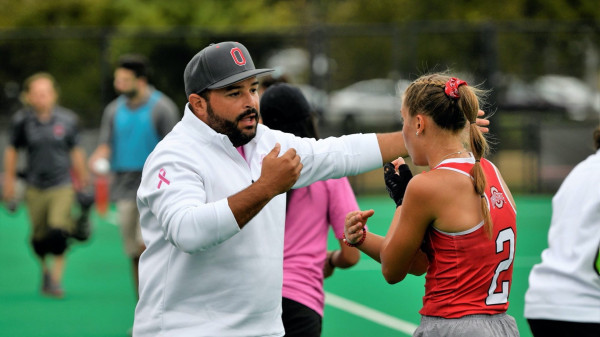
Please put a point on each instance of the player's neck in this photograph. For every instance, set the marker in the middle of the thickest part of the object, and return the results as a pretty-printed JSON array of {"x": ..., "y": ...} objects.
[
  {"x": 44, "y": 115},
  {"x": 140, "y": 98}
]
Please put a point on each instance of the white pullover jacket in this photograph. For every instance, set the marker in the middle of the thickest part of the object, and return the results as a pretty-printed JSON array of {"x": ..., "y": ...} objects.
[{"x": 200, "y": 274}]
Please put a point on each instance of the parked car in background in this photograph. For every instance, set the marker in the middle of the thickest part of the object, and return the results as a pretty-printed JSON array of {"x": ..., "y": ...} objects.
[
  {"x": 514, "y": 93},
  {"x": 317, "y": 98},
  {"x": 374, "y": 102},
  {"x": 564, "y": 94},
  {"x": 579, "y": 99}
]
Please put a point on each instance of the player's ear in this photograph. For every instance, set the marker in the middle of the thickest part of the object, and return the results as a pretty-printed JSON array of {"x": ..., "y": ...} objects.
[
  {"x": 198, "y": 105},
  {"x": 420, "y": 123}
]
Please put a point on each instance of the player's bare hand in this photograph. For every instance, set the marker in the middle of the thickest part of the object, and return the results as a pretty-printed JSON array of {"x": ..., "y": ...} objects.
[
  {"x": 280, "y": 173},
  {"x": 482, "y": 123},
  {"x": 354, "y": 225}
]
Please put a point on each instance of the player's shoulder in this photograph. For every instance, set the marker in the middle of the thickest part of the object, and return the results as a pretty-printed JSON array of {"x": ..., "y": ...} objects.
[
  {"x": 429, "y": 179},
  {"x": 339, "y": 190},
  {"x": 337, "y": 182},
  {"x": 66, "y": 116},
  {"x": 431, "y": 185},
  {"x": 422, "y": 185},
  {"x": 164, "y": 100},
  {"x": 112, "y": 105},
  {"x": 63, "y": 112},
  {"x": 161, "y": 95},
  {"x": 21, "y": 116},
  {"x": 333, "y": 186}
]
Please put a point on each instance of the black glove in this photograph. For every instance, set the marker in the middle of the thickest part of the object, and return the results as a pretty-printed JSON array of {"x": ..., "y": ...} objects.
[
  {"x": 85, "y": 199},
  {"x": 395, "y": 183},
  {"x": 12, "y": 206}
]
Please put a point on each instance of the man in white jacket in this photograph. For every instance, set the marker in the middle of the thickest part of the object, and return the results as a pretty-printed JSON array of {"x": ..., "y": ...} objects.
[
  {"x": 212, "y": 209},
  {"x": 563, "y": 298}
]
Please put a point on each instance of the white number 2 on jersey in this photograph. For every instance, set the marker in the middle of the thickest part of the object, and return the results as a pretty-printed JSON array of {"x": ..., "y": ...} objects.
[{"x": 502, "y": 297}]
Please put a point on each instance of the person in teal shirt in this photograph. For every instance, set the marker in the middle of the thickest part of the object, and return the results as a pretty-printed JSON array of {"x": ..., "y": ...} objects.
[{"x": 132, "y": 125}]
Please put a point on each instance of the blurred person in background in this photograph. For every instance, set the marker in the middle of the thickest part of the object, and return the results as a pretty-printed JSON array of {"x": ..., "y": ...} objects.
[
  {"x": 49, "y": 133},
  {"x": 563, "y": 298},
  {"x": 132, "y": 125},
  {"x": 456, "y": 222},
  {"x": 310, "y": 212},
  {"x": 271, "y": 79}
]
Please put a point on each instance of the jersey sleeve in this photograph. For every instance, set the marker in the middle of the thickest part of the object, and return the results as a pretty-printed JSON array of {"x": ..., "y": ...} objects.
[
  {"x": 341, "y": 201},
  {"x": 173, "y": 193},
  {"x": 106, "y": 126},
  {"x": 17, "y": 136},
  {"x": 165, "y": 116},
  {"x": 74, "y": 136}
]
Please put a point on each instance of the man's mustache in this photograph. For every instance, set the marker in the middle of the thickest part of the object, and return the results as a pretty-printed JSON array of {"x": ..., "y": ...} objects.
[{"x": 246, "y": 114}]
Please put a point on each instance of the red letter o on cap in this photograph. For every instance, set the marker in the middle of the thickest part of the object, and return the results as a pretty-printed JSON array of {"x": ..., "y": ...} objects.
[{"x": 238, "y": 56}]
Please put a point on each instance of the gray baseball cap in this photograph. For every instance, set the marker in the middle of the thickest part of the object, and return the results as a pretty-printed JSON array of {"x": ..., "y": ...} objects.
[{"x": 218, "y": 66}]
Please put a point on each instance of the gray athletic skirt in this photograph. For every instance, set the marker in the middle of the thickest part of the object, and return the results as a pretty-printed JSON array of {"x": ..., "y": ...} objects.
[{"x": 500, "y": 325}]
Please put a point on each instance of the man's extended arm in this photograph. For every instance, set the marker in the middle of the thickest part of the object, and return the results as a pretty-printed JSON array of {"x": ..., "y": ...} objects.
[{"x": 392, "y": 144}]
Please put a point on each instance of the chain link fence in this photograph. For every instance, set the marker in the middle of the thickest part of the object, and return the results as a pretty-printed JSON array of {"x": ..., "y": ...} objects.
[{"x": 541, "y": 124}]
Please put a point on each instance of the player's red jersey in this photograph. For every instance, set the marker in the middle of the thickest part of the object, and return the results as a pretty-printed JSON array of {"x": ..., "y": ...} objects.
[{"x": 468, "y": 272}]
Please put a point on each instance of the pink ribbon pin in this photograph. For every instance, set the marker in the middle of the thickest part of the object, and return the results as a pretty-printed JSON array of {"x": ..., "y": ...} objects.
[{"x": 161, "y": 176}]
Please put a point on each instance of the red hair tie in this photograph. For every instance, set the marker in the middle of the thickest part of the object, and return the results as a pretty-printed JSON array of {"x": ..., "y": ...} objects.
[{"x": 452, "y": 87}]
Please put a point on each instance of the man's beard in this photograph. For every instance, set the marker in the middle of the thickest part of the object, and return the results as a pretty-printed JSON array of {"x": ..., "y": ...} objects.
[{"x": 229, "y": 128}]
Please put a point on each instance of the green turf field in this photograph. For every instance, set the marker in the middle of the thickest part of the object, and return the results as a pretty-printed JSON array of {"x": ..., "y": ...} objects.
[{"x": 99, "y": 297}]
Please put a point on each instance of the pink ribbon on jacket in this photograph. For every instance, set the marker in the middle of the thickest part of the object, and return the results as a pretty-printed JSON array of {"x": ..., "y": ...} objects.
[
  {"x": 452, "y": 87},
  {"x": 161, "y": 175}
]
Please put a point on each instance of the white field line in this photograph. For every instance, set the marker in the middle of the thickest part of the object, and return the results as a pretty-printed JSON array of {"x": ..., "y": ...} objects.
[{"x": 370, "y": 314}]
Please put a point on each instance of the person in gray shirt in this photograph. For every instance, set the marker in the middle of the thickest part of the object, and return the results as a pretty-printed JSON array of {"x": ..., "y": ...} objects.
[{"x": 49, "y": 135}]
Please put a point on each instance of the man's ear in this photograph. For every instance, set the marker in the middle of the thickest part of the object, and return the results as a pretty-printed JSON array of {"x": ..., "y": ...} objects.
[{"x": 198, "y": 105}]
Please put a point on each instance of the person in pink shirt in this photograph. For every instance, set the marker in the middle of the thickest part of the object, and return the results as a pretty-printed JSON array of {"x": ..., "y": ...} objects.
[{"x": 310, "y": 212}]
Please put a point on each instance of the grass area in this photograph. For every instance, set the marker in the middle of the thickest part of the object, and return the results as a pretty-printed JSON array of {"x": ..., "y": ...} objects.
[
  {"x": 99, "y": 293},
  {"x": 100, "y": 298}
]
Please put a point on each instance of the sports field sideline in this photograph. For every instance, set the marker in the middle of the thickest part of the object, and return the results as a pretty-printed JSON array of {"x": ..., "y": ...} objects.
[{"x": 99, "y": 297}]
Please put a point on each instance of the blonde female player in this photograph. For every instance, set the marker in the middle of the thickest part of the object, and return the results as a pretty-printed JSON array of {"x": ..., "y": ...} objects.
[{"x": 457, "y": 221}]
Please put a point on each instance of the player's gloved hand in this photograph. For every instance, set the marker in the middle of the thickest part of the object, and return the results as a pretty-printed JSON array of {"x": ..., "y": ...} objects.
[{"x": 396, "y": 181}]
